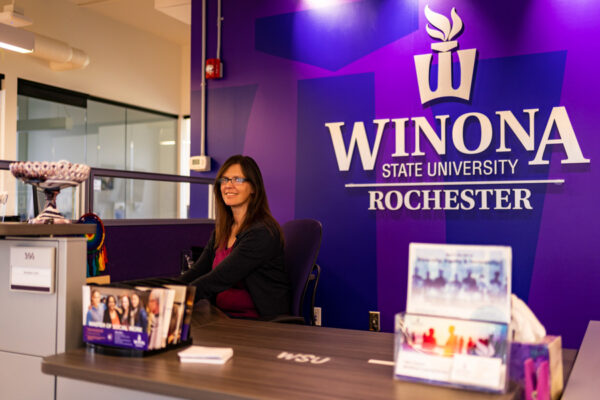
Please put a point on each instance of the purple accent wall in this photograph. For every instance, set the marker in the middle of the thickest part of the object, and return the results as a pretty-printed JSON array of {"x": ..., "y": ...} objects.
[
  {"x": 145, "y": 251},
  {"x": 290, "y": 68}
]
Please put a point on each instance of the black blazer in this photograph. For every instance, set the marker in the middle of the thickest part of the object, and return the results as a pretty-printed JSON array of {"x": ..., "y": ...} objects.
[
  {"x": 107, "y": 315},
  {"x": 257, "y": 260}
]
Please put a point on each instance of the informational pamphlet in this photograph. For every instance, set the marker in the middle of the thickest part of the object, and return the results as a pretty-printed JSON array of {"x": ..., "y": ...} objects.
[
  {"x": 115, "y": 317},
  {"x": 176, "y": 324},
  {"x": 462, "y": 281},
  {"x": 139, "y": 318},
  {"x": 205, "y": 355},
  {"x": 449, "y": 351},
  {"x": 455, "y": 328}
]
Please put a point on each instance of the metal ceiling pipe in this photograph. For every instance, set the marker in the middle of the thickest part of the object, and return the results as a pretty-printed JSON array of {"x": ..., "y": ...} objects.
[
  {"x": 60, "y": 54},
  {"x": 203, "y": 85}
]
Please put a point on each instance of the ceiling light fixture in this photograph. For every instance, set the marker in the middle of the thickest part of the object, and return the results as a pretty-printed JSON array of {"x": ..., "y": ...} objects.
[
  {"x": 14, "y": 15},
  {"x": 15, "y": 39},
  {"x": 61, "y": 55}
]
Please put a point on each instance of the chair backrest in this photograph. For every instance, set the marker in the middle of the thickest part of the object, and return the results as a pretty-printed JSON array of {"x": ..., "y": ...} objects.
[{"x": 302, "y": 243}]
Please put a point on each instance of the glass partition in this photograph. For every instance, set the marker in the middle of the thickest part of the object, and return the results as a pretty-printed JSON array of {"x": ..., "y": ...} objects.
[
  {"x": 151, "y": 142},
  {"x": 118, "y": 198},
  {"x": 106, "y": 135},
  {"x": 136, "y": 195},
  {"x": 49, "y": 131},
  {"x": 113, "y": 194}
]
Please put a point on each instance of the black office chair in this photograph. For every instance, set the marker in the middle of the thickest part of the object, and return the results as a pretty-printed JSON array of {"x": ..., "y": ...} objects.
[{"x": 302, "y": 243}]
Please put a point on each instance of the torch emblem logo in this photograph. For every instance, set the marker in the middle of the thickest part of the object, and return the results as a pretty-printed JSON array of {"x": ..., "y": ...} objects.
[{"x": 446, "y": 32}]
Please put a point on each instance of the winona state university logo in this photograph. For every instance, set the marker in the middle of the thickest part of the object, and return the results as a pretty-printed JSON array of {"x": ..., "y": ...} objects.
[
  {"x": 481, "y": 181},
  {"x": 446, "y": 32}
]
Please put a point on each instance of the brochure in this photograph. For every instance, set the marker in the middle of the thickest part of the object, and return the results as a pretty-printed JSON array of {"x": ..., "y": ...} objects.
[
  {"x": 115, "y": 317},
  {"x": 140, "y": 318},
  {"x": 461, "y": 281},
  {"x": 205, "y": 355},
  {"x": 449, "y": 351},
  {"x": 167, "y": 309},
  {"x": 176, "y": 324},
  {"x": 187, "y": 316},
  {"x": 455, "y": 329},
  {"x": 156, "y": 312}
]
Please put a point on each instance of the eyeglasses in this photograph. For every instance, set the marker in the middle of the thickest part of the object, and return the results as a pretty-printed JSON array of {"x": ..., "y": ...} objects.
[{"x": 236, "y": 180}]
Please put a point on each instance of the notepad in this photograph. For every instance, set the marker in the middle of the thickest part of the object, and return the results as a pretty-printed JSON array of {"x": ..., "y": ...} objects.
[{"x": 205, "y": 355}]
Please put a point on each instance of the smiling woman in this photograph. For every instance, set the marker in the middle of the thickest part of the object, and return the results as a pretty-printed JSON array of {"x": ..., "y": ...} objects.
[
  {"x": 236, "y": 191},
  {"x": 241, "y": 268}
]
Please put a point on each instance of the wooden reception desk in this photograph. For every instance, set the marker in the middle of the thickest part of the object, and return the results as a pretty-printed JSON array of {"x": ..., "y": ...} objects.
[{"x": 270, "y": 361}]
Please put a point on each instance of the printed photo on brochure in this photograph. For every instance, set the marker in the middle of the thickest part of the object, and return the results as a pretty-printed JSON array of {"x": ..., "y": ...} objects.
[
  {"x": 140, "y": 318},
  {"x": 460, "y": 281},
  {"x": 449, "y": 351},
  {"x": 115, "y": 317}
]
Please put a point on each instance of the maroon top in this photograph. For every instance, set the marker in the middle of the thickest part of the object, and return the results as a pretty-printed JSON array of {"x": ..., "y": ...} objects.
[{"x": 235, "y": 301}]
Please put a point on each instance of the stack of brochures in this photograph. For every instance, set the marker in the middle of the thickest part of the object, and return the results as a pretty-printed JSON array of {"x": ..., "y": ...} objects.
[
  {"x": 455, "y": 328},
  {"x": 140, "y": 318},
  {"x": 206, "y": 355}
]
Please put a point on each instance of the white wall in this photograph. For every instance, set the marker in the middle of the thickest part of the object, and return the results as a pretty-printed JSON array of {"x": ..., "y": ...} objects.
[{"x": 126, "y": 64}]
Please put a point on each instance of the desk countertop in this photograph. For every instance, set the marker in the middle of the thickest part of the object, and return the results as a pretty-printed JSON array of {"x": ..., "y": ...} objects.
[
  {"x": 25, "y": 229},
  {"x": 258, "y": 369}
]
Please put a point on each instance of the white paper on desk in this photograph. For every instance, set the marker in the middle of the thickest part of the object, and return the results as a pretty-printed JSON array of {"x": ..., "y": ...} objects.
[{"x": 206, "y": 355}]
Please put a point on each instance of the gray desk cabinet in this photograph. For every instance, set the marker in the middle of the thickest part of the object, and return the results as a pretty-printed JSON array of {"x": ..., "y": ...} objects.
[{"x": 35, "y": 325}]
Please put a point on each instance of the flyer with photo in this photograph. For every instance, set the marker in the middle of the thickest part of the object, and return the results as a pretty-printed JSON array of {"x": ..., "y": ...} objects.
[
  {"x": 449, "y": 351},
  {"x": 176, "y": 323},
  {"x": 115, "y": 317},
  {"x": 461, "y": 281},
  {"x": 140, "y": 318}
]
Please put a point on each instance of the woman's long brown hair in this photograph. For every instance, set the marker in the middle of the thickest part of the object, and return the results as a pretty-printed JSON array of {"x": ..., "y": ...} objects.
[{"x": 258, "y": 207}]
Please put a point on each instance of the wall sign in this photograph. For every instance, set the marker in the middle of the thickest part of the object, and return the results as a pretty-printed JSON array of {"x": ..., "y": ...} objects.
[
  {"x": 349, "y": 71},
  {"x": 32, "y": 269},
  {"x": 485, "y": 173}
]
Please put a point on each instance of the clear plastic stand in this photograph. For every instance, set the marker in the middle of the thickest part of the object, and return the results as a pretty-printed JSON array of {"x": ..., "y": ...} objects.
[
  {"x": 3, "y": 201},
  {"x": 451, "y": 352}
]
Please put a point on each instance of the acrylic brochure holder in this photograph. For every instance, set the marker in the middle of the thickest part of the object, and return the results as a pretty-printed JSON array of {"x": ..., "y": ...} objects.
[
  {"x": 455, "y": 328},
  {"x": 127, "y": 352},
  {"x": 451, "y": 352},
  {"x": 137, "y": 321}
]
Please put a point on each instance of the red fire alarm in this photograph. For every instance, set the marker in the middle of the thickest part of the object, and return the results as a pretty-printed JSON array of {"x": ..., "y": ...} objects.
[{"x": 214, "y": 68}]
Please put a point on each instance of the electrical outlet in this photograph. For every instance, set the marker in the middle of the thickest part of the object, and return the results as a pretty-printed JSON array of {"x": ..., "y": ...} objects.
[
  {"x": 374, "y": 321},
  {"x": 317, "y": 316}
]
